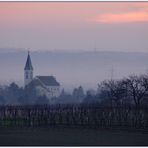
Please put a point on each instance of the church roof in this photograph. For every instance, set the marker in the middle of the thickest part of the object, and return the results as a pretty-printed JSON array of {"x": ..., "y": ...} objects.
[
  {"x": 48, "y": 80},
  {"x": 36, "y": 82},
  {"x": 28, "y": 65}
]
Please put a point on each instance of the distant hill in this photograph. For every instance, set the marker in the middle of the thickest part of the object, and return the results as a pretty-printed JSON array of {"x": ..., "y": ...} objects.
[
  {"x": 8, "y": 50},
  {"x": 72, "y": 69}
]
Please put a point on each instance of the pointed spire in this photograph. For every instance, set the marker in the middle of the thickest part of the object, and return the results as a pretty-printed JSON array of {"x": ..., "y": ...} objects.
[{"x": 28, "y": 65}]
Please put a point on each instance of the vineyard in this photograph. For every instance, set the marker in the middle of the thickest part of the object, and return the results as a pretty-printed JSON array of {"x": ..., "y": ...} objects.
[{"x": 74, "y": 116}]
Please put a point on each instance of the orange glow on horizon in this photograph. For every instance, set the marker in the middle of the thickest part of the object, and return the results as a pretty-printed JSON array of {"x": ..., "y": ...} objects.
[{"x": 123, "y": 17}]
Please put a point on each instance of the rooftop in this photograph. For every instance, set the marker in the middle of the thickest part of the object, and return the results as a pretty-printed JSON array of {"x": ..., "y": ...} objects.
[{"x": 48, "y": 80}]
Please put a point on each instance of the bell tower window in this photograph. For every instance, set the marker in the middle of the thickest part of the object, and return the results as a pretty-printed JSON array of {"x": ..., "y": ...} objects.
[{"x": 26, "y": 75}]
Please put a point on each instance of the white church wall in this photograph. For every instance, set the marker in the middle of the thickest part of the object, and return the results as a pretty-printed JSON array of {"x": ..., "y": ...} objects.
[
  {"x": 50, "y": 92},
  {"x": 55, "y": 90}
]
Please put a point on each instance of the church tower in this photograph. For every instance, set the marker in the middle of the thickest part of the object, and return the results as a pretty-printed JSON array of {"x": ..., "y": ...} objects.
[{"x": 28, "y": 71}]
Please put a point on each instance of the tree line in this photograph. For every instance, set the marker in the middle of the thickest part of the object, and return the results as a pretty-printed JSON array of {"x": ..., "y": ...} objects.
[
  {"x": 15, "y": 95},
  {"x": 132, "y": 90},
  {"x": 129, "y": 91}
]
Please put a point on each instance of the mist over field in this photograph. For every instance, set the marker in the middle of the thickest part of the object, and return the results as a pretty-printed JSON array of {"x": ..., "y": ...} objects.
[{"x": 72, "y": 69}]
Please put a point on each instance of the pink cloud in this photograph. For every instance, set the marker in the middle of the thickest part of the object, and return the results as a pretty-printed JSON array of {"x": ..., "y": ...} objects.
[
  {"x": 23, "y": 13},
  {"x": 128, "y": 17}
]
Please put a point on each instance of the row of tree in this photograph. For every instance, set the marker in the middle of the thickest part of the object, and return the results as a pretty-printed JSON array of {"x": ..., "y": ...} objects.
[
  {"x": 127, "y": 91},
  {"x": 132, "y": 90},
  {"x": 13, "y": 95}
]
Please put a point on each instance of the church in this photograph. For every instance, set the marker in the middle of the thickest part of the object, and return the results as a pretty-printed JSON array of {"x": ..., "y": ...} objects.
[{"x": 44, "y": 85}]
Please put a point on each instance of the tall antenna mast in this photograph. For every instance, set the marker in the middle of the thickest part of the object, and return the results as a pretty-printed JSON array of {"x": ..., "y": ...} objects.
[{"x": 112, "y": 73}]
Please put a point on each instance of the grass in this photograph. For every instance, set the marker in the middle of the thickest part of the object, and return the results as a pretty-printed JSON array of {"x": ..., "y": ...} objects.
[{"x": 71, "y": 137}]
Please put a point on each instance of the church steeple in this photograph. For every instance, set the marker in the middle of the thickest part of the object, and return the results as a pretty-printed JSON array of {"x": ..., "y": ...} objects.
[
  {"x": 28, "y": 71},
  {"x": 28, "y": 65}
]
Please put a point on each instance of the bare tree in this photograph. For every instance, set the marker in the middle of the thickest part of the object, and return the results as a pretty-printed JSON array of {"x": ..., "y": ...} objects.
[
  {"x": 137, "y": 88},
  {"x": 115, "y": 90}
]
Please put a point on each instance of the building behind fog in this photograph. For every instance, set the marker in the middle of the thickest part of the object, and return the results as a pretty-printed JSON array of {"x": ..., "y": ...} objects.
[{"x": 44, "y": 85}]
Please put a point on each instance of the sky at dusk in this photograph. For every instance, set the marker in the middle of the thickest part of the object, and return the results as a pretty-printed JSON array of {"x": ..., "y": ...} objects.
[{"x": 72, "y": 26}]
